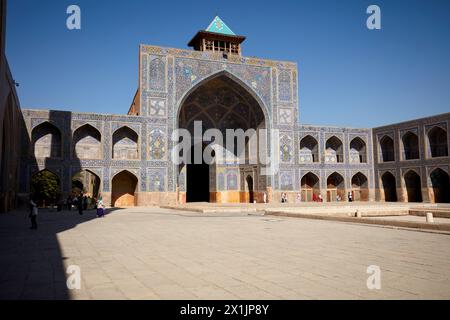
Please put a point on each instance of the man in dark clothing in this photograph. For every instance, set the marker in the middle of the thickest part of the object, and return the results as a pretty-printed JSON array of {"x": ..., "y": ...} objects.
[
  {"x": 33, "y": 214},
  {"x": 80, "y": 204},
  {"x": 69, "y": 203},
  {"x": 85, "y": 203}
]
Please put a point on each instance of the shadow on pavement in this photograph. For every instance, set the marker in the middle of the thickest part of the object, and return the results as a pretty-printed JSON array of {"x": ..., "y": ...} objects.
[{"x": 31, "y": 261}]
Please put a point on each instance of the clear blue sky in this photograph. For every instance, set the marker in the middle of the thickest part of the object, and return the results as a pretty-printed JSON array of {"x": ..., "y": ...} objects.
[{"x": 348, "y": 74}]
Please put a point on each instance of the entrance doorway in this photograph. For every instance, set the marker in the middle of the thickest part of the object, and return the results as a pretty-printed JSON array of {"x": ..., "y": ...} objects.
[
  {"x": 389, "y": 187},
  {"x": 360, "y": 187},
  {"x": 197, "y": 176},
  {"x": 310, "y": 187},
  {"x": 225, "y": 103},
  {"x": 441, "y": 186},
  {"x": 413, "y": 186},
  {"x": 123, "y": 190},
  {"x": 251, "y": 196},
  {"x": 335, "y": 188}
]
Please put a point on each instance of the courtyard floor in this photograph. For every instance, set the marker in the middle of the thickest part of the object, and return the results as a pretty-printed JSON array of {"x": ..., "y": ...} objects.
[{"x": 153, "y": 253}]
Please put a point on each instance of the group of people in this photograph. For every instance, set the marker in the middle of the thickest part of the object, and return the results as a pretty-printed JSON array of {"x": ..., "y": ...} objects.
[
  {"x": 315, "y": 198},
  {"x": 81, "y": 202},
  {"x": 349, "y": 197},
  {"x": 298, "y": 198}
]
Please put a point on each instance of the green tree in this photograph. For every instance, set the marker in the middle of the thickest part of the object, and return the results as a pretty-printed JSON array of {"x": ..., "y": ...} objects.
[{"x": 45, "y": 187}]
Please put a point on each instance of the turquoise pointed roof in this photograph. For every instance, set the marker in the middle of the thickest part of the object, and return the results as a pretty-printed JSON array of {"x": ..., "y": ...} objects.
[{"x": 218, "y": 26}]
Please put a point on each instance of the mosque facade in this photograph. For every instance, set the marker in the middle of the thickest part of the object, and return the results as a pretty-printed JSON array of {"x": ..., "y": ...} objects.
[{"x": 128, "y": 158}]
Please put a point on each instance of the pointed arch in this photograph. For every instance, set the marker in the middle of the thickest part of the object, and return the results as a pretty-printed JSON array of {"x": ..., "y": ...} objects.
[
  {"x": 125, "y": 144},
  {"x": 410, "y": 143},
  {"x": 222, "y": 101},
  {"x": 87, "y": 142},
  {"x": 87, "y": 182},
  {"x": 413, "y": 186},
  {"x": 334, "y": 151},
  {"x": 235, "y": 79},
  {"x": 387, "y": 149},
  {"x": 358, "y": 150},
  {"x": 310, "y": 187},
  {"x": 335, "y": 187},
  {"x": 389, "y": 187},
  {"x": 438, "y": 142},
  {"x": 46, "y": 141},
  {"x": 309, "y": 149},
  {"x": 124, "y": 187},
  {"x": 360, "y": 187},
  {"x": 440, "y": 182}
]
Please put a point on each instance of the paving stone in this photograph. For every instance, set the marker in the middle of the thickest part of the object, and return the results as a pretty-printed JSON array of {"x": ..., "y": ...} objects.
[{"x": 152, "y": 253}]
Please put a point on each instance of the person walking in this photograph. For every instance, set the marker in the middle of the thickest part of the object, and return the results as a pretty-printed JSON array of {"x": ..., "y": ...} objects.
[
  {"x": 85, "y": 202},
  {"x": 265, "y": 197},
  {"x": 33, "y": 214},
  {"x": 100, "y": 208},
  {"x": 350, "y": 197},
  {"x": 80, "y": 204},
  {"x": 299, "y": 197},
  {"x": 69, "y": 203}
]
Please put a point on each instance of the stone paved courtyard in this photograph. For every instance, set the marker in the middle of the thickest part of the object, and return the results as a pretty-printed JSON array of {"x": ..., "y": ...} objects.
[{"x": 153, "y": 253}]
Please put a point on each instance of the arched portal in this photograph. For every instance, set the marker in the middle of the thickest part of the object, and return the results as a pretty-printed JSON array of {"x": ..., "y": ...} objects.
[
  {"x": 410, "y": 146},
  {"x": 387, "y": 149},
  {"x": 309, "y": 149},
  {"x": 87, "y": 143},
  {"x": 333, "y": 150},
  {"x": 440, "y": 182},
  {"x": 46, "y": 141},
  {"x": 389, "y": 187},
  {"x": 413, "y": 186},
  {"x": 45, "y": 188},
  {"x": 437, "y": 139},
  {"x": 125, "y": 144},
  {"x": 124, "y": 186},
  {"x": 360, "y": 187},
  {"x": 220, "y": 102},
  {"x": 87, "y": 183},
  {"x": 358, "y": 151},
  {"x": 310, "y": 187},
  {"x": 335, "y": 187}
]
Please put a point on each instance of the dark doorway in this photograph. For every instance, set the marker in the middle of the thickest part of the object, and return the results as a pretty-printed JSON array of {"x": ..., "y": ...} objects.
[
  {"x": 438, "y": 142},
  {"x": 441, "y": 186},
  {"x": 251, "y": 196},
  {"x": 389, "y": 187},
  {"x": 413, "y": 186},
  {"x": 387, "y": 149},
  {"x": 197, "y": 181},
  {"x": 411, "y": 146}
]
